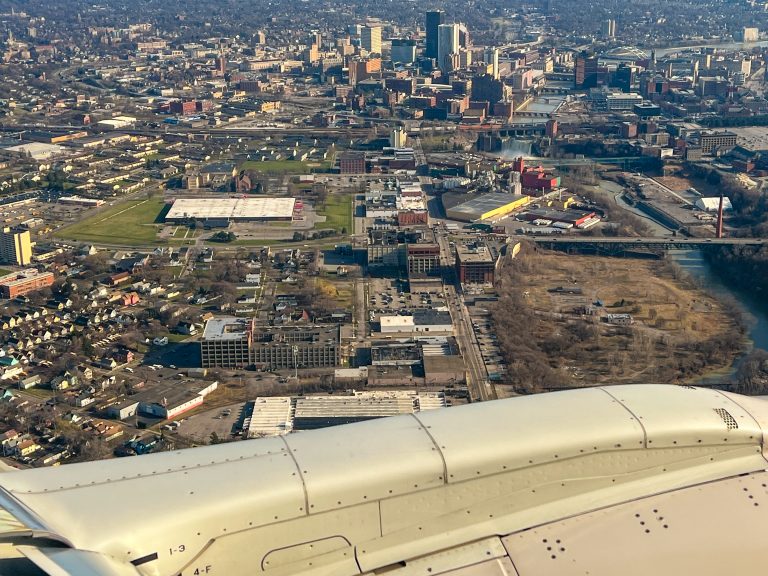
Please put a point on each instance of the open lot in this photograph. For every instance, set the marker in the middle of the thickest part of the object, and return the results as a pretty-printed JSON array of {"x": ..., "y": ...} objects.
[
  {"x": 560, "y": 304},
  {"x": 134, "y": 222},
  {"x": 338, "y": 213}
]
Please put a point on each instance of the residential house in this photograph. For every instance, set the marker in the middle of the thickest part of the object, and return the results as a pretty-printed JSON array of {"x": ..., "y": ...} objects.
[
  {"x": 123, "y": 356},
  {"x": 30, "y": 382},
  {"x": 26, "y": 447},
  {"x": 130, "y": 299},
  {"x": 64, "y": 381}
]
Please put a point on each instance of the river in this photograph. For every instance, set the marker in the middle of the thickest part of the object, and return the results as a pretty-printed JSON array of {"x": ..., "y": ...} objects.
[{"x": 753, "y": 311}]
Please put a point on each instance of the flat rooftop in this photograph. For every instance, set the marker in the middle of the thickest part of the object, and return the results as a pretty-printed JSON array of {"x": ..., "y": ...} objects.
[
  {"x": 226, "y": 328},
  {"x": 486, "y": 203},
  {"x": 753, "y": 138},
  {"x": 270, "y": 416},
  {"x": 232, "y": 208},
  {"x": 352, "y": 406},
  {"x": 474, "y": 253}
]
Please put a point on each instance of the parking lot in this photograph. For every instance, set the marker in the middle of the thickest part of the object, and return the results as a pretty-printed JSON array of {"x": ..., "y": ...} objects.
[
  {"x": 487, "y": 340},
  {"x": 224, "y": 422},
  {"x": 387, "y": 297}
]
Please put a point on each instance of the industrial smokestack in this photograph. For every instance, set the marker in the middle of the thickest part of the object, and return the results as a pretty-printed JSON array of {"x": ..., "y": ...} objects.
[{"x": 720, "y": 217}]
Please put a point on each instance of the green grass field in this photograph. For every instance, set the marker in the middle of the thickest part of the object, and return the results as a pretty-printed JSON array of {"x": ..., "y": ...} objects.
[
  {"x": 3, "y": 271},
  {"x": 284, "y": 166},
  {"x": 132, "y": 223},
  {"x": 338, "y": 213},
  {"x": 182, "y": 233}
]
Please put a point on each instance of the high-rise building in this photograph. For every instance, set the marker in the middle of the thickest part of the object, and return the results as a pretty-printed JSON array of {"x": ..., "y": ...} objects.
[
  {"x": 465, "y": 58},
  {"x": 447, "y": 44},
  {"x": 585, "y": 71},
  {"x": 491, "y": 57},
  {"x": 434, "y": 19},
  {"x": 363, "y": 68},
  {"x": 624, "y": 77},
  {"x": 397, "y": 137},
  {"x": 15, "y": 246},
  {"x": 403, "y": 50},
  {"x": 370, "y": 39},
  {"x": 609, "y": 28},
  {"x": 464, "y": 41}
]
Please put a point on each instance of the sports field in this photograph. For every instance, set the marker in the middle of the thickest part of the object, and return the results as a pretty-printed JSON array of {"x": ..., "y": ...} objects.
[{"x": 132, "y": 223}]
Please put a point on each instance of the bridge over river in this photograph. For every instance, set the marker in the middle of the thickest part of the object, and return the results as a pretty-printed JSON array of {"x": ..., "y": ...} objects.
[{"x": 618, "y": 246}]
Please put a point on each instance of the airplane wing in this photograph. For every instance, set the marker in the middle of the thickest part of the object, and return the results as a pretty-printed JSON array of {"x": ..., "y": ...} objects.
[{"x": 645, "y": 479}]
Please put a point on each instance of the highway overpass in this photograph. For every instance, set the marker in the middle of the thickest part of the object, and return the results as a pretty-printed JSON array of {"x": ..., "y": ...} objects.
[{"x": 627, "y": 244}]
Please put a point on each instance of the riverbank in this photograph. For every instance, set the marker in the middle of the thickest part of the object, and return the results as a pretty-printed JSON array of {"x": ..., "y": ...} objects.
[
  {"x": 752, "y": 310},
  {"x": 553, "y": 323}
]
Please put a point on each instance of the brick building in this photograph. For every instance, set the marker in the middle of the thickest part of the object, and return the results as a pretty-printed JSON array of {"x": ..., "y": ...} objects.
[
  {"x": 19, "y": 283},
  {"x": 352, "y": 162},
  {"x": 475, "y": 264}
]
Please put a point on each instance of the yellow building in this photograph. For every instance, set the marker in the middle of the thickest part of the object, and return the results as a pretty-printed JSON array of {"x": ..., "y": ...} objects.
[
  {"x": 487, "y": 207},
  {"x": 370, "y": 39},
  {"x": 15, "y": 246}
]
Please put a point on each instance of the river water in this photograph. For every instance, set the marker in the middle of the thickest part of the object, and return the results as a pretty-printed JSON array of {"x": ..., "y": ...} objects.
[{"x": 754, "y": 312}]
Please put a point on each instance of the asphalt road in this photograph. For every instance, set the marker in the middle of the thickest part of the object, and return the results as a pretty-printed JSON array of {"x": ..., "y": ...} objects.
[{"x": 477, "y": 376}]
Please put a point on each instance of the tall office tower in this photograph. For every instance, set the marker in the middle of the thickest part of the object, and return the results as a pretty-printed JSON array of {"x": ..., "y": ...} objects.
[
  {"x": 464, "y": 40},
  {"x": 403, "y": 50},
  {"x": 15, "y": 246},
  {"x": 397, "y": 137},
  {"x": 465, "y": 58},
  {"x": 370, "y": 39},
  {"x": 585, "y": 71},
  {"x": 491, "y": 56},
  {"x": 434, "y": 19},
  {"x": 609, "y": 28},
  {"x": 447, "y": 44},
  {"x": 624, "y": 77}
]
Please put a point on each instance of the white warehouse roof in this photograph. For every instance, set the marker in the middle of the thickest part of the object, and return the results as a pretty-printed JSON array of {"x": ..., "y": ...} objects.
[{"x": 232, "y": 208}]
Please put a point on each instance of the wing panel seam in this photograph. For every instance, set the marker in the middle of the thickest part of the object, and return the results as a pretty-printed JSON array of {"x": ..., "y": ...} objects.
[
  {"x": 301, "y": 475},
  {"x": 634, "y": 416},
  {"x": 437, "y": 447}
]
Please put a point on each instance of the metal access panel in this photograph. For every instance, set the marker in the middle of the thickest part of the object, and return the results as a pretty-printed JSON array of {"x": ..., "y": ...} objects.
[
  {"x": 708, "y": 530},
  {"x": 687, "y": 416},
  {"x": 200, "y": 495},
  {"x": 316, "y": 542},
  {"x": 354, "y": 464},
  {"x": 495, "y": 437}
]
